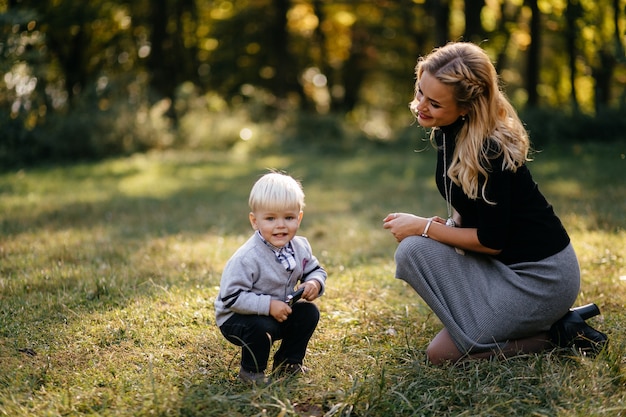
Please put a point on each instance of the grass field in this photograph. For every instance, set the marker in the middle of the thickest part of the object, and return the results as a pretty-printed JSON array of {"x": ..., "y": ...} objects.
[{"x": 108, "y": 273}]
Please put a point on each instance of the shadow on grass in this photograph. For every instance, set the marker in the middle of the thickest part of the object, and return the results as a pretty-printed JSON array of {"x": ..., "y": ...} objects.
[
  {"x": 90, "y": 216},
  {"x": 104, "y": 254},
  {"x": 88, "y": 238}
]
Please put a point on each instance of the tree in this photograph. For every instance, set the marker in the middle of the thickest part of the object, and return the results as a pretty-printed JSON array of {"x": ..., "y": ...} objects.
[
  {"x": 473, "y": 24},
  {"x": 100, "y": 60},
  {"x": 171, "y": 60},
  {"x": 572, "y": 16},
  {"x": 534, "y": 51},
  {"x": 440, "y": 10},
  {"x": 609, "y": 51}
]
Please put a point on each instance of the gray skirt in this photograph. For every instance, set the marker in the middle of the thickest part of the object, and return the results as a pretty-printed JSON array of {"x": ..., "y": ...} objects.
[{"x": 482, "y": 302}]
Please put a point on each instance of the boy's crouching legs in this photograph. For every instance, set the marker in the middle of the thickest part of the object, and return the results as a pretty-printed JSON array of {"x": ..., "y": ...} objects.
[
  {"x": 255, "y": 335},
  {"x": 296, "y": 332}
]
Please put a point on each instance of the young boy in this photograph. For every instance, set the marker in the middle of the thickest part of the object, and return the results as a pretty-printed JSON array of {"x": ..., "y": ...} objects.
[{"x": 252, "y": 308}]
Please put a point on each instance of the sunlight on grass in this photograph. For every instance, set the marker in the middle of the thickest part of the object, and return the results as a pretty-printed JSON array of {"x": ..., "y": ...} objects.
[
  {"x": 108, "y": 273},
  {"x": 564, "y": 188},
  {"x": 150, "y": 184}
]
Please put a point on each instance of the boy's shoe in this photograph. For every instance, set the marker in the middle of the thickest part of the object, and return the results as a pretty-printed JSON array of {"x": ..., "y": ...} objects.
[
  {"x": 289, "y": 370},
  {"x": 253, "y": 378}
]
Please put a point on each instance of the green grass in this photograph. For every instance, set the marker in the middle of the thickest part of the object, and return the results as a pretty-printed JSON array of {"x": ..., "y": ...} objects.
[{"x": 108, "y": 273}]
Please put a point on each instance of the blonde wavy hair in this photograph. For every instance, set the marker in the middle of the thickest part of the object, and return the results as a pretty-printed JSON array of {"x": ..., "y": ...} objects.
[{"x": 491, "y": 121}]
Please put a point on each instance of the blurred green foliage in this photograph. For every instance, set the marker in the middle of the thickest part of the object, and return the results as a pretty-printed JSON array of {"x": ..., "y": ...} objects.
[{"x": 108, "y": 77}]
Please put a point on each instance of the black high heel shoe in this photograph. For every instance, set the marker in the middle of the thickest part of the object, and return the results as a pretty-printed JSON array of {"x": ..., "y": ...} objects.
[
  {"x": 587, "y": 311},
  {"x": 571, "y": 330}
]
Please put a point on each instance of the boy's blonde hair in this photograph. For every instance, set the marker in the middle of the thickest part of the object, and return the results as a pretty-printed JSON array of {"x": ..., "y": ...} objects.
[{"x": 276, "y": 191}]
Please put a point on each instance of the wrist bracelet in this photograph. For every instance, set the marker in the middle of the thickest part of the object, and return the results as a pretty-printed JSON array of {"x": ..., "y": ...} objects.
[{"x": 425, "y": 232}]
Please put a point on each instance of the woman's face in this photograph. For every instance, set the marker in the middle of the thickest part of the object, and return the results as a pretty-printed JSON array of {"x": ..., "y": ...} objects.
[{"x": 435, "y": 103}]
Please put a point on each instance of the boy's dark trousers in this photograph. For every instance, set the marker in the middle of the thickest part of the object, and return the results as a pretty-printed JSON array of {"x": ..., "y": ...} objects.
[{"x": 255, "y": 334}]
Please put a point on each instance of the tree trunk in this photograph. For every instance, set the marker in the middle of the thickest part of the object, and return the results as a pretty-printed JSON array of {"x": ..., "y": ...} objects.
[
  {"x": 441, "y": 11},
  {"x": 419, "y": 37},
  {"x": 282, "y": 59},
  {"x": 571, "y": 16},
  {"x": 356, "y": 66},
  {"x": 158, "y": 58},
  {"x": 616, "y": 28},
  {"x": 473, "y": 25},
  {"x": 319, "y": 41},
  {"x": 505, "y": 31},
  {"x": 603, "y": 75},
  {"x": 534, "y": 51}
]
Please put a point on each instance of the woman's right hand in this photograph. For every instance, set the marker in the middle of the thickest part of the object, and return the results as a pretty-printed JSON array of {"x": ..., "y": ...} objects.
[{"x": 403, "y": 225}]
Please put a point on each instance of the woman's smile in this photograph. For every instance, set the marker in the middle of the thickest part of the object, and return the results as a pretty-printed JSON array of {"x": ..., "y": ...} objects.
[{"x": 421, "y": 115}]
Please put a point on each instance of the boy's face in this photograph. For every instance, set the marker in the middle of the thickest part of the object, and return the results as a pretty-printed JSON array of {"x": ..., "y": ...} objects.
[{"x": 277, "y": 227}]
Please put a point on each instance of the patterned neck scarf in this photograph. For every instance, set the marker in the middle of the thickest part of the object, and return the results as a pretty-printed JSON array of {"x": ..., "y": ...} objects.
[{"x": 284, "y": 255}]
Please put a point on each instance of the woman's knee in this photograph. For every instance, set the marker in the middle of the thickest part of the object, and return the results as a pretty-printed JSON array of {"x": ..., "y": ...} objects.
[
  {"x": 411, "y": 250},
  {"x": 405, "y": 247},
  {"x": 438, "y": 357},
  {"x": 442, "y": 349}
]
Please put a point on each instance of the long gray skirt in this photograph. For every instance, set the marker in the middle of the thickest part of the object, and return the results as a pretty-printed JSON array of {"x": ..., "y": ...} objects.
[{"x": 482, "y": 302}]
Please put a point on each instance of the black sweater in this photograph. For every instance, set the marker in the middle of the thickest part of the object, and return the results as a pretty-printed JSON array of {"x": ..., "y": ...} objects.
[{"x": 522, "y": 223}]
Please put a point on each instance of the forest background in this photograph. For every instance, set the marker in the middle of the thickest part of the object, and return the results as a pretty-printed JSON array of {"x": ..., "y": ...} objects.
[
  {"x": 113, "y": 77},
  {"x": 131, "y": 133}
]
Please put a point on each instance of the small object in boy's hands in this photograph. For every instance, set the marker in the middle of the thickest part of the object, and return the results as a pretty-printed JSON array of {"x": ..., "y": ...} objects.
[{"x": 291, "y": 299}]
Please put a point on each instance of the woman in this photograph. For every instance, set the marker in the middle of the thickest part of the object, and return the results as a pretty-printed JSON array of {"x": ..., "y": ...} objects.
[{"x": 500, "y": 271}]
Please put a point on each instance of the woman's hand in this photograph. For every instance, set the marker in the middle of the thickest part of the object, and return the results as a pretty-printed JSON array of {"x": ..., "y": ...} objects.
[
  {"x": 402, "y": 225},
  {"x": 438, "y": 219}
]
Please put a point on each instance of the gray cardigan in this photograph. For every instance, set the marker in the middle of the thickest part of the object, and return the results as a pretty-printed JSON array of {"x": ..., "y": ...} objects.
[{"x": 253, "y": 277}]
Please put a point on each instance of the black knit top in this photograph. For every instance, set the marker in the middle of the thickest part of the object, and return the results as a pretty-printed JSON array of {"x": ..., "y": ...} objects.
[{"x": 522, "y": 223}]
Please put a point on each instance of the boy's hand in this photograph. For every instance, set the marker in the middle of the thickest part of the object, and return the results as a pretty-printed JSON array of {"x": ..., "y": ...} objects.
[
  {"x": 279, "y": 310},
  {"x": 311, "y": 290}
]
